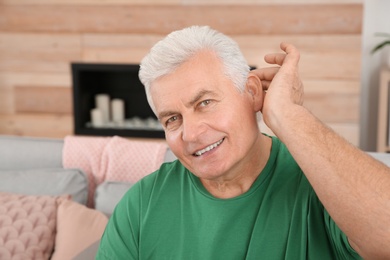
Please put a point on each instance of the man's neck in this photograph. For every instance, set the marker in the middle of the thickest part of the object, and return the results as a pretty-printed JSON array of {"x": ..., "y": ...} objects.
[{"x": 244, "y": 179}]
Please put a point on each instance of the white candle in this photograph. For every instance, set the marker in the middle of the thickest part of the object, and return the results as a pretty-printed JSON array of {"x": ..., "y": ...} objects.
[
  {"x": 97, "y": 118},
  {"x": 103, "y": 103},
  {"x": 118, "y": 110}
]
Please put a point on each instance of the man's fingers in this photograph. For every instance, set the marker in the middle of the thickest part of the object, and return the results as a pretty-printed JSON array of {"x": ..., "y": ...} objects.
[
  {"x": 265, "y": 84},
  {"x": 291, "y": 54},
  {"x": 265, "y": 73},
  {"x": 292, "y": 57},
  {"x": 275, "y": 58}
]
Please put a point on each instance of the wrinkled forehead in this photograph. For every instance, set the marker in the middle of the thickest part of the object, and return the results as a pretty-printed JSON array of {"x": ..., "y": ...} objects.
[{"x": 203, "y": 74}]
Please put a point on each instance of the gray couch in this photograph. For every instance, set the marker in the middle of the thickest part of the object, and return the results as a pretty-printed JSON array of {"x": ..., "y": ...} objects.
[{"x": 34, "y": 166}]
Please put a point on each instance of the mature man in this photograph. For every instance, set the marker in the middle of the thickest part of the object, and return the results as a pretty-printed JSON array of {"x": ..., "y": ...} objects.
[{"x": 236, "y": 193}]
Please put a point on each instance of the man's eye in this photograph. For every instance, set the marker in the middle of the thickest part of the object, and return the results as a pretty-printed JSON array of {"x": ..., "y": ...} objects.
[
  {"x": 171, "y": 119},
  {"x": 205, "y": 102}
]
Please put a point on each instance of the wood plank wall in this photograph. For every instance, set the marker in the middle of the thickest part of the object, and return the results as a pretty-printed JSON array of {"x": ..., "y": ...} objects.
[{"x": 39, "y": 39}]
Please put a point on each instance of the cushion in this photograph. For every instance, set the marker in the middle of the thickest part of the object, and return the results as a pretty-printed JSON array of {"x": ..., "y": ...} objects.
[
  {"x": 112, "y": 158},
  {"x": 27, "y": 226},
  {"x": 78, "y": 227},
  {"x": 17, "y": 152},
  {"x": 108, "y": 194},
  {"x": 56, "y": 181}
]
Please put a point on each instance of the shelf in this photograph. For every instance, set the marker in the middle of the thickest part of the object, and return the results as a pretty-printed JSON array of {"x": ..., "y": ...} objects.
[
  {"x": 118, "y": 81},
  {"x": 383, "y": 112}
]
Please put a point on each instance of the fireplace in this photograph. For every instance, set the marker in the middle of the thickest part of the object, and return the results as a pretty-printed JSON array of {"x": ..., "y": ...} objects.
[{"x": 109, "y": 99}]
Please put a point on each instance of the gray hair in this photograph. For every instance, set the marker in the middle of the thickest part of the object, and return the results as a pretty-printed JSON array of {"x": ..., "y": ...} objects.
[{"x": 179, "y": 46}]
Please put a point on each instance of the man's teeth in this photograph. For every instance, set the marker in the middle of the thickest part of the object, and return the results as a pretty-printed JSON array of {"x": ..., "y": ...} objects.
[{"x": 208, "y": 148}]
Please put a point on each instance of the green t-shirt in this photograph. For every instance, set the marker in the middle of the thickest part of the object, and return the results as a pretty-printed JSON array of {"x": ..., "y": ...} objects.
[{"x": 170, "y": 215}]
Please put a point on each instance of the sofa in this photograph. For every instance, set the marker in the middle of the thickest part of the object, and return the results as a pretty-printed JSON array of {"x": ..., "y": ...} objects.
[
  {"x": 46, "y": 207},
  {"x": 45, "y": 212}
]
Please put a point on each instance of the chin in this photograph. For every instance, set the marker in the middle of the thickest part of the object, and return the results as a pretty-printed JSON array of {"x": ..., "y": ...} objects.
[
  {"x": 209, "y": 171},
  {"x": 208, "y": 174}
]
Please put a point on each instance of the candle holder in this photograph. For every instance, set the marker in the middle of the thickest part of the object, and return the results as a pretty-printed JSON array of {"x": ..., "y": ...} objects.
[{"x": 119, "y": 97}]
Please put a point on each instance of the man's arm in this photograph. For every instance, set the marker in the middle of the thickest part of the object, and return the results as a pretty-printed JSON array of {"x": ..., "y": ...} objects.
[{"x": 353, "y": 187}]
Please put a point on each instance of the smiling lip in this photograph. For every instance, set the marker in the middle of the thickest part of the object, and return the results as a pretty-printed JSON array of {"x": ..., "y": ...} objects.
[{"x": 209, "y": 148}]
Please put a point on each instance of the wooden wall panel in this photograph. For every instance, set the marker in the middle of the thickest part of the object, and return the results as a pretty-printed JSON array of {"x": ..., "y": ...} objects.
[
  {"x": 333, "y": 65},
  {"x": 120, "y": 41},
  {"x": 315, "y": 65},
  {"x": 122, "y": 48},
  {"x": 341, "y": 51},
  {"x": 50, "y": 99},
  {"x": 43, "y": 46},
  {"x": 178, "y": 2},
  {"x": 327, "y": 56},
  {"x": 38, "y": 66},
  {"x": 333, "y": 101},
  {"x": 9, "y": 80},
  {"x": 344, "y": 108},
  {"x": 40, "y": 38},
  {"x": 39, "y": 125},
  {"x": 267, "y": 2},
  {"x": 92, "y": 2},
  {"x": 38, "y": 52},
  {"x": 238, "y": 19},
  {"x": 12, "y": 79},
  {"x": 6, "y": 99}
]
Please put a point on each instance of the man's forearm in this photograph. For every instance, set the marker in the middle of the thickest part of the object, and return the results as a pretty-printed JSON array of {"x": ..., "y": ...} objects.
[{"x": 354, "y": 187}]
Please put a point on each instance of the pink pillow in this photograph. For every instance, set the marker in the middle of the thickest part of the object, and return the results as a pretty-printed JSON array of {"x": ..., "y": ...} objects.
[
  {"x": 27, "y": 226},
  {"x": 77, "y": 228}
]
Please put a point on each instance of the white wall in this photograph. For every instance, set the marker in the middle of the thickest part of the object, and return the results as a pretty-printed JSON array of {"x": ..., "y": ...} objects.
[{"x": 376, "y": 19}]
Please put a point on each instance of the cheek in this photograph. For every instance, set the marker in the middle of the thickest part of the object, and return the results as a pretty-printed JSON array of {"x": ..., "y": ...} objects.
[
  {"x": 243, "y": 121},
  {"x": 174, "y": 142},
  {"x": 236, "y": 114}
]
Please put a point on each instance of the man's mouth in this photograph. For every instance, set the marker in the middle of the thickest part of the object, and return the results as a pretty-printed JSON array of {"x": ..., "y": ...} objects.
[{"x": 209, "y": 148}]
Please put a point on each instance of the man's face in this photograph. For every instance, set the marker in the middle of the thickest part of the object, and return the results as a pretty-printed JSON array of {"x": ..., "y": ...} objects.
[{"x": 209, "y": 125}]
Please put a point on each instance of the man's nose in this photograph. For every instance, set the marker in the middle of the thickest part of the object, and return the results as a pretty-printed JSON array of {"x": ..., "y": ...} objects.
[{"x": 192, "y": 129}]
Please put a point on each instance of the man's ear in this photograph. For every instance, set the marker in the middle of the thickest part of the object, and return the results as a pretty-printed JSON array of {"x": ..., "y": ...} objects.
[{"x": 255, "y": 90}]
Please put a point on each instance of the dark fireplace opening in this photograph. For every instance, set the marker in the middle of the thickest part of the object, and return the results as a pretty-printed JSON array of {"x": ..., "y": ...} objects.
[{"x": 109, "y": 99}]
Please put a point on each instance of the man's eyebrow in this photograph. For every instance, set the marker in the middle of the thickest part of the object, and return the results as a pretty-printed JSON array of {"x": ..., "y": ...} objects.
[
  {"x": 193, "y": 101},
  {"x": 165, "y": 114},
  {"x": 199, "y": 96}
]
